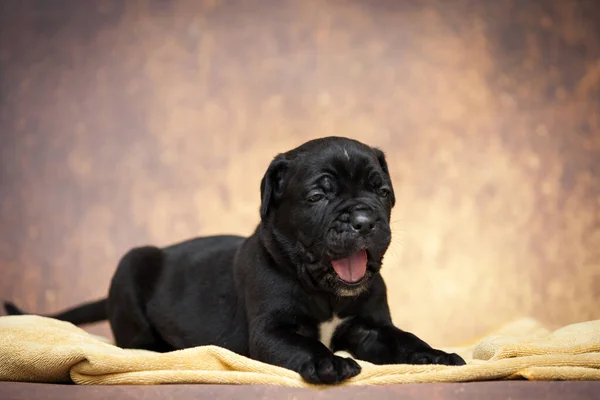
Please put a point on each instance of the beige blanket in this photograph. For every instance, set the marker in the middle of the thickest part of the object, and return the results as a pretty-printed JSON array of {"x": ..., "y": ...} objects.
[{"x": 38, "y": 349}]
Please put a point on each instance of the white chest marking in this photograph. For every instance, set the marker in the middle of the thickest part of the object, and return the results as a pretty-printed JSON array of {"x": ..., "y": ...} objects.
[{"x": 327, "y": 329}]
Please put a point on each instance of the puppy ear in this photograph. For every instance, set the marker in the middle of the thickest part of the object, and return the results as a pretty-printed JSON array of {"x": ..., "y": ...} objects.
[
  {"x": 273, "y": 184},
  {"x": 383, "y": 163}
]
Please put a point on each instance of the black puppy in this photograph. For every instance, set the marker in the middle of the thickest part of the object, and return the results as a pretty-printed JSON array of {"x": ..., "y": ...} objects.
[{"x": 304, "y": 285}]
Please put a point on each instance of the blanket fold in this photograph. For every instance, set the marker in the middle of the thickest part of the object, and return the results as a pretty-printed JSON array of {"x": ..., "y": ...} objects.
[{"x": 39, "y": 349}]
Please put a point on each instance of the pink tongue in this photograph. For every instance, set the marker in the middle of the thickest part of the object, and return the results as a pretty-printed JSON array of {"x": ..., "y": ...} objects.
[{"x": 352, "y": 269}]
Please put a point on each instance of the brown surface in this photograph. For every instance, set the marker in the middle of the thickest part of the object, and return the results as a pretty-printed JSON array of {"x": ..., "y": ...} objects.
[
  {"x": 126, "y": 123},
  {"x": 484, "y": 390}
]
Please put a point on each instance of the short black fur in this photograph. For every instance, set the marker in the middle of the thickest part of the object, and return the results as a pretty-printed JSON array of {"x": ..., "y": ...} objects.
[{"x": 265, "y": 296}]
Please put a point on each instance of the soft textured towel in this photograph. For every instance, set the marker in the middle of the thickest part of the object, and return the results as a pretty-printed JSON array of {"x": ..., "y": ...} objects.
[{"x": 38, "y": 349}]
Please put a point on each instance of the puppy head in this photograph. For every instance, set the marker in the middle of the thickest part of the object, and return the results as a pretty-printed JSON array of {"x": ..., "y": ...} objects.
[{"x": 326, "y": 207}]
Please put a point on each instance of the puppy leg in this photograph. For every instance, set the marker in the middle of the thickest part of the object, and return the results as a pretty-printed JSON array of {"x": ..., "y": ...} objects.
[
  {"x": 284, "y": 347},
  {"x": 131, "y": 287},
  {"x": 383, "y": 343}
]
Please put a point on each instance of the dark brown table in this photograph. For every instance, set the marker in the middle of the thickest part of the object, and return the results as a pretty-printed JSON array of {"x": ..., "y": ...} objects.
[{"x": 474, "y": 390}]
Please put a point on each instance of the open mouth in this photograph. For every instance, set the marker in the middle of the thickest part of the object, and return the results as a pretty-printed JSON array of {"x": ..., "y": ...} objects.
[{"x": 352, "y": 269}]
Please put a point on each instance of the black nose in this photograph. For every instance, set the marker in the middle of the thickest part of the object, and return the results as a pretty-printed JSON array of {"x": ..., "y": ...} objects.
[{"x": 362, "y": 221}]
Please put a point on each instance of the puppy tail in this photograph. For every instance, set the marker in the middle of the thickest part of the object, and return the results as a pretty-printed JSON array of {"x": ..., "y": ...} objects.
[
  {"x": 87, "y": 313},
  {"x": 11, "y": 309}
]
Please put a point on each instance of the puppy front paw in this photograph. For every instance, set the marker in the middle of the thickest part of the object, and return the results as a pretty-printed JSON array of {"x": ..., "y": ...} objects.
[
  {"x": 329, "y": 369},
  {"x": 432, "y": 356}
]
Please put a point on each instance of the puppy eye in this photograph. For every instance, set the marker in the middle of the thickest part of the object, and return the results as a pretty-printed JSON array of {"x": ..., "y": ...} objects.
[
  {"x": 383, "y": 192},
  {"x": 315, "y": 198}
]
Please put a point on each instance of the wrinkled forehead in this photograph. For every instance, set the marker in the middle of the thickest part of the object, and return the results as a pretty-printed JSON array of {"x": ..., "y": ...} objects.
[{"x": 340, "y": 163}]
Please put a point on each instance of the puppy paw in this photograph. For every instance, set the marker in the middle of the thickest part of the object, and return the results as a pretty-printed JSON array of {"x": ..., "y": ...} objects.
[
  {"x": 329, "y": 370},
  {"x": 433, "y": 356}
]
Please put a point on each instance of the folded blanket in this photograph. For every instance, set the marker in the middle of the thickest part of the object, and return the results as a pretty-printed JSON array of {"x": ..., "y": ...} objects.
[{"x": 39, "y": 349}]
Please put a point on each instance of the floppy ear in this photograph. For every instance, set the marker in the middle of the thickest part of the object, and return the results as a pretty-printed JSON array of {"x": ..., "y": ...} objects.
[
  {"x": 273, "y": 184},
  {"x": 384, "y": 167}
]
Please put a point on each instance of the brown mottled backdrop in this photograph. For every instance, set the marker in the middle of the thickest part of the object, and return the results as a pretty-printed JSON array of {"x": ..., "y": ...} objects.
[{"x": 132, "y": 122}]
